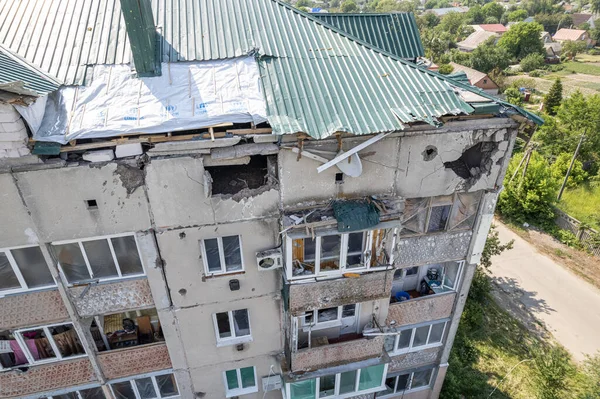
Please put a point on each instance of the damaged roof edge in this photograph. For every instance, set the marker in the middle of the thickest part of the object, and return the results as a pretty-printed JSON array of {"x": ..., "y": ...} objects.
[{"x": 529, "y": 115}]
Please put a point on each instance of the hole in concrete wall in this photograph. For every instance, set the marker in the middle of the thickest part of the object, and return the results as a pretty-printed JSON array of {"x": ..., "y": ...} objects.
[
  {"x": 182, "y": 235},
  {"x": 429, "y": 153},
  {"x": 231, "y": 179},
  {"x": 474, "y": 161},
  {"x": 91, "y": 204},
  {"x": 339, "y": 178}
]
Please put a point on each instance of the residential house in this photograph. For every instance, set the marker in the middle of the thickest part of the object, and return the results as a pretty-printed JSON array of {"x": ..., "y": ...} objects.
[
  {"x": 493, "y": 28},
  {"x": 219, "y": 213},
  {"x": 580, "y": 19},
  {"x": 477, "y": 79},
  {"x": 475, "y": 39},
  {"x": 546, "y": 37},
  {"x": 440, "y": 12},
  {"x": 575, "y": 35}
]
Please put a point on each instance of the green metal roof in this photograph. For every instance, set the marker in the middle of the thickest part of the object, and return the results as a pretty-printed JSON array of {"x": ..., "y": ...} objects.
[
  {"x": 396, "y": 33},
  {"x": 19, "y": 77}
]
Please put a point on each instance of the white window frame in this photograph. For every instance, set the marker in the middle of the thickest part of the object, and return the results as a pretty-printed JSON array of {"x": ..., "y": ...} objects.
[
  {"x": 19, "y": 275},
  {"x": 239, "y": 391},
  {"x": 221, "y": 256},
  {"x": 409, "y": 389},
  {"x": 131, "y": 380},
  {"x": 411, "y": 348},
  {"x": 233, "y": 340},
  {"x": 336, "y": 394},
  {"x": 112, "y": 251},
  {"x": 443, "y": 287},
  {"x": 317, "y": 325},
  {"x": 18, "y": 334},
  {"x": 77, "y": 392}
]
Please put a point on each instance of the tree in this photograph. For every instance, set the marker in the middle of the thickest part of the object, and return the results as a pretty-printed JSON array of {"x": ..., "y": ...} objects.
[
  {"x": 551, "y": 22},
  {"x": 453, "y": 23},
  {"x": 445, "y": 69},
  {"x": 595, "y": 6},
  {"x": 554, "y": 97},
  {"x": 349, "y": 6},
  {"x": 491, "y": 20},
  {"x": 488, "y": 56},
  {"x": 428, "y": 20},
  {"x": 393, "y": 5},
  {"x": 436, "y": 43},
  {"x": 493, "y": 9},
  {"x": 552, "y": 371},
  {"x": 571, "y": 48},
  {"x": 561, "y": 165},
  {"x": 532, "y": 62},
  {"x": 475, "y": 15},
  {"x": 514, "y": 96},
  {"x": 522, "y": 39},
  {"x": 303, "y": 3},
  {"x": 493, "y": 247},
  {"x": 517, "y": 16}
]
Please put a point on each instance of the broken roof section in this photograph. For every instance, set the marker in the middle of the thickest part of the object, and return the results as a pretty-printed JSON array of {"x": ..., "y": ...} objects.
[
  {"x": 397, "y": 33},
  {"x": 19, "y": 77}
]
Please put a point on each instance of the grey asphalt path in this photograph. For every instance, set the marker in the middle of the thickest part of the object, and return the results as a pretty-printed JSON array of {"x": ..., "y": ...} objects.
[{"x": 568, "y": 305}]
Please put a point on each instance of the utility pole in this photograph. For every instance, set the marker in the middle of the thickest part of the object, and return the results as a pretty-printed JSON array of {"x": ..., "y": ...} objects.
[{"x": 571, "y": 166}]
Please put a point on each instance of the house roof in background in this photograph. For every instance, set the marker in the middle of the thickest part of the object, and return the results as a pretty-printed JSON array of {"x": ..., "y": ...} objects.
[
  {"x": 496, "y": 28},
  {"x": 579, "y": 18},
  {"x": 443, "y": 11},
  {"x": 474, "y": 75},
  {"x": 19, "y": 77},
  {"x": 396, "y": 33},
  {"x": 568, "y": 34},
  {"x": 475, "y": 39}
]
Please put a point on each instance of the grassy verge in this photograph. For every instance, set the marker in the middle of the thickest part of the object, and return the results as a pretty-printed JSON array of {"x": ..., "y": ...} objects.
[{"x": 583, "y": 203}]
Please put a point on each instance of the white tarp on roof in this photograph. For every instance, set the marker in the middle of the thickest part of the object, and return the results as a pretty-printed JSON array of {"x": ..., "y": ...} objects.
[{"x": 187, "y": 96}]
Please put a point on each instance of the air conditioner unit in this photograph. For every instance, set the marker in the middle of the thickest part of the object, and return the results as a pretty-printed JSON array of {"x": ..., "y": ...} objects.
[{"x": 269, "y": 260}]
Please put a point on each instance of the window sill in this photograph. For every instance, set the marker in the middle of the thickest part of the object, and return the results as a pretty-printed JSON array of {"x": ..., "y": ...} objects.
[
  {"x": 336, "y": 275},
  {"x": 395, "y": 394},
  {"x": 240, "y": 392},
  {"x": 417, "y": 349},
  {"x": 322, "y": 326},
  {"x": 106, "y": 280},
  {"x": 233, "y": 341},
  {"x": 225, "y": 274}
]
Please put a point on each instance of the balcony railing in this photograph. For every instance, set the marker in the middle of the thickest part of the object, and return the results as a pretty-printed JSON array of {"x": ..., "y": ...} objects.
[
  {"x": 422, "y": 309},
  {"x": 134, "y": 361}
]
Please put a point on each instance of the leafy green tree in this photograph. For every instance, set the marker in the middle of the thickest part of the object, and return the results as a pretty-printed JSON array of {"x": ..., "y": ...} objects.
[
  {"x": 531, "y": 62},
  {"x": 436, "y": 43},
  {"x": 493, "y": 9},
  {"x": 517, "y": 15},
  {"x": 595, "y": 6},
  {"x": 393, "y": 5},
  {"x": 445, "y": 69},
  {"x": 514, "y": 96},
  {"x": 475, "y": 15},
  {"x": 304, "y": 3},
  {"x": 491, "y": 20},
  {"x": 534, "y": 7},
  {"x": 552, "y": 371},
  {"x": 529, "y": 198},
  {"x": 349, "y": 6},
  {"x": 572, "y": 48},
  {"x": 552, "y": 22},
  {"x": 428, "y": 20},
  {"x": 487, "y": 56},
  {"x": 453, "y": 23},
  {"x": 561, "y": 165},
  {"x": 554, "y": 97},
  {"x": 522, "y": 39}
]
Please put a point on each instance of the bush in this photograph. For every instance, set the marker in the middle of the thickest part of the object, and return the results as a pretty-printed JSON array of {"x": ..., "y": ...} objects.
[
  {"x": 531, "y": 62},
  {"x": 561, "y": 165},
  {"x": 537, "y": 73},
  {"x": 594, "y": 51},
  {"x": 552, "y": 371},
  {"x": 556, "y": 67},
  {"x": 445, "y": 69},
  {"x": 514, "y": 96},
  {"x": 567, "y": 238}
]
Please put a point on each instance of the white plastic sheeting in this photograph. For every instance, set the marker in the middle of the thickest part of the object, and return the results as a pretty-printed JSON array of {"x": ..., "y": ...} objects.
[{"x": 187, "y": 96}]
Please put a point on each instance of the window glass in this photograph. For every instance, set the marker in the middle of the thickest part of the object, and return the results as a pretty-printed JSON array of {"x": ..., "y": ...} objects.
[
  {"x": 70, "y": 395},
  {"x": 328, "y": 314},
  {"x": 398, "y": 274},
  {"x": 233, "y": 255},
  {"x": 145, "y": 388},
  {"x": 348, "y": 310},
  {"x": 415, "y": 215},
  {"x": 464, "y": 211},
  {"x": 167, "y": 385},
  {"x": 327, "y": 386},
  {"x": 412, "y": 271},
  {"x": 92, "y": 393},
  {"x": 330, "y": 253},
  {"x": 223, "y": 325},
  {"x": 303, "y": 389},
  {"x": 390, "y": 385},
  {"x": 123, "y": 390},
  {"x": 213, "y": 260},
  {"x": 100, "y": 258},
  {"x": 241, "y": 322},
  {"x": 404, "y": 340},
  {"x": 303, "y": 257},
  {"x": 355, "y": 249},
  {"x": 370, "y": 377},
  {"x": 127, "y": 255},
  {"x": 347, "y": 382},
  {"x": 438, "y": 218},
  {"x": 450, "y": 274},
  {"x": 389, "y": 342},
  {"x": 402, "y": 382},
  {"x": 310, "y": 247},
  {"x": 247, "y": 376},
  {"x": 8, "y": 279},
  {"x": 232, "y": 380},
  {"x": 66, "y": 340},
  {"x": 71, "y": 261},
  {"x": 38, "y": 344},
  {"x": 436, "y": 333},
  {"x": 421, "y": 378},
  {"x": 421, "y": 336},
  {"x": 33, "y": 267}
]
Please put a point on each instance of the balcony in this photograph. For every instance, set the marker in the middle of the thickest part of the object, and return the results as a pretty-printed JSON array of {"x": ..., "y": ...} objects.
[
  {"x": 431, "y": 248},
  {"x": 413, "y": 360},
  {"x": 31, "y": 309},
  {"x": 422, "y": 309},
  {"x": 328, "y": 353},
  {"x": 137, "y": 360}
]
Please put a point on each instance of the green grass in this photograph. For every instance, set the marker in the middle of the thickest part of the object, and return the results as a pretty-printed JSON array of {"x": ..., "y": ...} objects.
[
  {"x": 583, "y": 203},
  {"x": 582, "y": 67}
]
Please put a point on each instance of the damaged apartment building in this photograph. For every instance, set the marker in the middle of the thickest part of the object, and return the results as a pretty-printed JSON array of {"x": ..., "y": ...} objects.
[{"x": 233, "y": 198}]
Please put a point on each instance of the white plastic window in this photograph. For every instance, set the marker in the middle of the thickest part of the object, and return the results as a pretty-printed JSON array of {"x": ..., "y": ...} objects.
[
  {"x": 416, "y": 338},
  {"x": 405, "y": 383},
  {"x": 102, "y": 258},
  {"x": 327, "y": 317},
  {"x": 222, "y": 255},
  {"x": 155, "y": 386},
  {"x": 23, "y": 269},
  {"x": 240, "y": 381},
  {"x": 232, "y": 327},
  {"x": 90, "y": 393}
]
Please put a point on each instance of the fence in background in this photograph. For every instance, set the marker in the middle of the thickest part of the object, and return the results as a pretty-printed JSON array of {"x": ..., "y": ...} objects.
[{"x": 584, "y": 234}]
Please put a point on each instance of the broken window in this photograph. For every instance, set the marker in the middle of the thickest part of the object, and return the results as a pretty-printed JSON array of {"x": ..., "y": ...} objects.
[
  {"x": 444, "y": 213},
  {"x": 416, "y": 338},
  {"x": 406, "y": 382},
  {"x": 126, "y": 329},
  {"x": 23, "y": 269},
  {"x": 331, "y": 323},
  {"x": 90, "y": 393},
  {"x": 231, "y": 179},
  {"x": 102, "y": 258},
  {"x": 232, "y": 327},
  {"x": 222, "y": 255},
  {"x": 240, "y": 381},
  {"x": 425, "y": 280},
  {"x": 155, "y": 386}
]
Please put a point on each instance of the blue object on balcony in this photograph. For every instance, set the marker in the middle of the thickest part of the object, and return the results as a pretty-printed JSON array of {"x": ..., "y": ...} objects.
[{"x": 402, "y": 296}]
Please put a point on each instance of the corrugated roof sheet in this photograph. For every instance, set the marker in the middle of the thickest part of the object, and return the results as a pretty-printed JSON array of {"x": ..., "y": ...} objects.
[
  {"x": 18, "y": 76},
  {"x": 396, "y": 33},
  {"x": 568, "y": 34}
]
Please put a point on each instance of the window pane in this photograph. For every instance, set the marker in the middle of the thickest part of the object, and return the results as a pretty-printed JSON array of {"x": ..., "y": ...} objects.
[
  {"x": 38, "y": 344},
  {"x": 330, "y": 253},
  {"x": 355, "y": 249},
  {"x": 213, "y": 259},
  {"x": 100, "y": 258},
  {"x": 412, "y": 271},
  {"x": 127, "y": 254},
  {"x": 347, "y": 381},
  {"x": 223, "y": 325},
  {"x": 303, "y": 257},
  {"x": 32, "y": 266},
  {"x": 421, "y": 336},
  {"x": 402, "y": 382},
  {"x": 145, "y": 388},
  {"x": 232, "y": 381},
  {"x": 404, "y": 340},
  {"x": 415, "y": 215},
  {"x": 421, "y": 378},
  {"x": 327, "y": 386},
  {"x": 92, "y": 393},
  {"x": 438, "y": 218},
  {"x": 398, "y": 274},
  {"x": 66, "y": 340},
  {"x": 436, "y": 333},
  {"x": 349, "y": 310},
  {"x": 247, "y": 375},
  {"x": 464, "y": 210},
  {"x": 70, "y": 395},
  {"x": 450, "y": 274},
  {"x": 71, "y": 260},
  {"x": 390, "y": 385},
  {"x": 370, "y": 377},
  {"x": 241, "y": 322},
  {"x": 389, "y": 342},
  {"x": 123, "y": 390},
  {"x": 233, "y": 255},
  {"x": 303, "y": 389},
  {"x": 328, "y": 314},
  {"x": 310, "y": 246},
  {"x": 167, "y": 385},
  {"x": 8, "y": 279}
]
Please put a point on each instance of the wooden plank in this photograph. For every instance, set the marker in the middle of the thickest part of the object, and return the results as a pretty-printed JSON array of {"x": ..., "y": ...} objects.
[{"x": 266, "y": 130}]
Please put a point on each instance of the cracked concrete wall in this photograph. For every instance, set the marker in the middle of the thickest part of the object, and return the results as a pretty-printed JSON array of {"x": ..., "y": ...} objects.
[
  {"x": 432, "y": 248},
  {"x": 13, "y": 213}
]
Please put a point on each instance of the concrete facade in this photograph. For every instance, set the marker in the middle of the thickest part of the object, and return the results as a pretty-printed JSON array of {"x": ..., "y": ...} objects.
[{"x": 166, "y": 203}]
